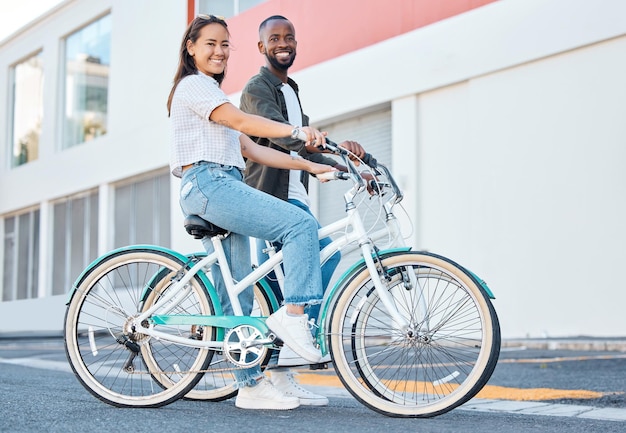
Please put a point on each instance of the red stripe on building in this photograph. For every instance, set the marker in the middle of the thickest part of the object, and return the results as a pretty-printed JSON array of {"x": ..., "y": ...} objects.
[{"x": 326, "y": 29}]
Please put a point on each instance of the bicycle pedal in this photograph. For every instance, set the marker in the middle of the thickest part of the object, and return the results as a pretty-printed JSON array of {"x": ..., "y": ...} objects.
[{"x": 319, "y": 366}]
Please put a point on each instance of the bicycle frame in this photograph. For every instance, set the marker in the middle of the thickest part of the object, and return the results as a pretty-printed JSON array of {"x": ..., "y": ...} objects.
[{"x": 354, "y": 233}]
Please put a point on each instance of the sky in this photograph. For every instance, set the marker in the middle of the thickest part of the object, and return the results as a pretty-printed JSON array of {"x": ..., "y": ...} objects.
[{"x": 15, "y": 13}]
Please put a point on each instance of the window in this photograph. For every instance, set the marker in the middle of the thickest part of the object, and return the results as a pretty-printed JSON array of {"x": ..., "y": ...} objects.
[
  {"x": 27, "y": 98},
  {"x": 142, "y": 212},
  {"x": 75, "y": 239},
  {"x": 21, "y": 256},
  {"x": 225, "y": 8},
  {"x": 87, "y": 63}
]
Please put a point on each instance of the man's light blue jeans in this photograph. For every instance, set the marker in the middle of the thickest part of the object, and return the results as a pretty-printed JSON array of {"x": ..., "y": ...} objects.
[{"x": 218, "y": 194}]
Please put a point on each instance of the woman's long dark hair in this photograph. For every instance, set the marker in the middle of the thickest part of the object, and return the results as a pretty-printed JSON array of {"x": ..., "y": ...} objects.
[{"x": 186, "y": 64}]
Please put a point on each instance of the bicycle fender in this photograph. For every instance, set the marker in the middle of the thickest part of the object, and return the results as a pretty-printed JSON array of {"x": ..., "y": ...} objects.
[
  {"x": 274, "y": 302},
  {"x": 207, "y": 283},
  {"x": 472, "y": 275},
  {"x": 481, "y": 283}
]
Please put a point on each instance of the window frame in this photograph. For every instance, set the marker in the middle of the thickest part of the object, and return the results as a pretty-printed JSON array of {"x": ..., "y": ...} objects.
[
  {"x": 90, "y": 220},
  {"x": 62, "y": 117},
  {"x": 11, "y": 101},
  {"x": 161, "y": 211},
  {"x": 236, "y": 8},
  {"x": 12, "y": 274}
]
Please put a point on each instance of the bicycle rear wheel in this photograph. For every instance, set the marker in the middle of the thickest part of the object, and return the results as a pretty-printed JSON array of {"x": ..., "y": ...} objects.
[
  {"x": 117, "y": 365},
  {"x": 442, "y": 360}
]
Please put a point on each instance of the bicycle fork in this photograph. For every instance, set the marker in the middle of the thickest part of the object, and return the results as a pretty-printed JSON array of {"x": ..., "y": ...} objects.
[{"x": 379, "y": 274}]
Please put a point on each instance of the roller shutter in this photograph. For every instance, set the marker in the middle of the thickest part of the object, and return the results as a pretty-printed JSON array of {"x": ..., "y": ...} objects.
[{"x": 373, "y": 131}]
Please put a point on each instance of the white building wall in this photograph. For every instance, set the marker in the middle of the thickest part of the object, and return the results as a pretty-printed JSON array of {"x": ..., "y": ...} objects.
[
  {"x": 539, "y": 208},
  {"x": 144, "y": 53},
  {"x": 507, "y": 130},
  {"x": 512, "y": 117}
]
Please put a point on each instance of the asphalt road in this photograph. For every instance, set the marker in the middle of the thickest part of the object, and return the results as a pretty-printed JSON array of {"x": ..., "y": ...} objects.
[{"x": 530, "y": 391}]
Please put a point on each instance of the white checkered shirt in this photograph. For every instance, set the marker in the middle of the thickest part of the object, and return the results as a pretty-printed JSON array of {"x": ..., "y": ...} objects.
[{"x": 194, "y": 137}]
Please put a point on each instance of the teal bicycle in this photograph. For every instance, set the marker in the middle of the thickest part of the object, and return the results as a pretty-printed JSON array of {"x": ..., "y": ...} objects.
[{"x": 411, "y": 334}]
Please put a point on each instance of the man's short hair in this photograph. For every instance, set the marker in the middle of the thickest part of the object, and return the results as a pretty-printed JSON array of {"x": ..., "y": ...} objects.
[{"x": 268, "y": 19}]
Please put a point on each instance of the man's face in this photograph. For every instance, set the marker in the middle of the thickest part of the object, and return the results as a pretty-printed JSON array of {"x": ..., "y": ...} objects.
[{"x": 278, "y": 44}]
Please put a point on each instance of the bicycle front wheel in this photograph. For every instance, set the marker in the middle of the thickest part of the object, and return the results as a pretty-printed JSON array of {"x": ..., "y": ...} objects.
[
  {"x": 122, "y": 367},
  {"x": 444, "y": 356}
]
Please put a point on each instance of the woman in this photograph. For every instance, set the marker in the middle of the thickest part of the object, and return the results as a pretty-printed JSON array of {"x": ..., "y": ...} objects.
[{"x": 210, "y": 141}]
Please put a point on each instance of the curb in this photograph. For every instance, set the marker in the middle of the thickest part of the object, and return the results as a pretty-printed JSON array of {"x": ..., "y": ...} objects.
[{"x": 577, "y": 343}]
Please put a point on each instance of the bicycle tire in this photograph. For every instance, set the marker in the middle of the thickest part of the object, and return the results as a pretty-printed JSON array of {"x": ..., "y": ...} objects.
[
  {"x": 442, "y": 361},
  {"x": 123, "y": 368}
]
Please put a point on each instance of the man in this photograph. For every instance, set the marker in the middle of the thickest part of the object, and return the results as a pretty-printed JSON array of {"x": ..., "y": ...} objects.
[{"x": 272, "y": 94}]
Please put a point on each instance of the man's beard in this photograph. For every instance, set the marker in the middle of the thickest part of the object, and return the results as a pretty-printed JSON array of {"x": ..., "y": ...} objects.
[{"x": 280, "y": 66}]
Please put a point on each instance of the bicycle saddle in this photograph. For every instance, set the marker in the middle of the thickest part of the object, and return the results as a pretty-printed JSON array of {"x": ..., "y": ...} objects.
[{"x": 199, "y": 228}]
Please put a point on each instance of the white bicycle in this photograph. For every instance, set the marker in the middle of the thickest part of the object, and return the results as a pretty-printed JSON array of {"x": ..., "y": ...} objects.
[{"x": 411, "y": 334}]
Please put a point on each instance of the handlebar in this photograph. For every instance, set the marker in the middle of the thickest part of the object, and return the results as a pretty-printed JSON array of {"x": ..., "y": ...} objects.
[
  {"x": 368, "y": 159},
  {"x": 334, "y": 147}
]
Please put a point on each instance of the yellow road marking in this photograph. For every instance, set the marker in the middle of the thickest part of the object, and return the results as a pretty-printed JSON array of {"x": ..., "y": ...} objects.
[
  {"x": 534, "y": 394},
  {"x": 491, "y": 392}
]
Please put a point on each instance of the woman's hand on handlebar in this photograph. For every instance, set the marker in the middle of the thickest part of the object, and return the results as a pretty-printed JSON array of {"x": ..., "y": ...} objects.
[{"x": 315, "y": 168}]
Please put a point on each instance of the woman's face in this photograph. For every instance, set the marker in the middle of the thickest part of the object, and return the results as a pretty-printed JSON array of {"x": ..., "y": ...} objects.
[{"x": 211, "y": 50}]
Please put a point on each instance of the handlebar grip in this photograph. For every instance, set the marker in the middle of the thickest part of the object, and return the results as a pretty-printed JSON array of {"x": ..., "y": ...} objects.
[
  {"x": 332, "y": 146},
  {"x": 370, "y": 160},
  {"x": 333, "y": 175}
]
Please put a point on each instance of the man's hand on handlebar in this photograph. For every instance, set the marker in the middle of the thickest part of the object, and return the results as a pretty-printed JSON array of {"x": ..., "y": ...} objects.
[
  {"x": 356, "y": 151},
  {"x": 370, "y": 181}
]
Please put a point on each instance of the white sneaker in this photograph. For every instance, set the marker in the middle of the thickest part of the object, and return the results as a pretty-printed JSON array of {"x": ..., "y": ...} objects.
[
  {"x": 285, "y": 382},
  {"x": 288, "y": 358},
  {"x": 264, "y": 395},
  {"x": 295, "y": 333},
  {"x": 326, "y": 358}
]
